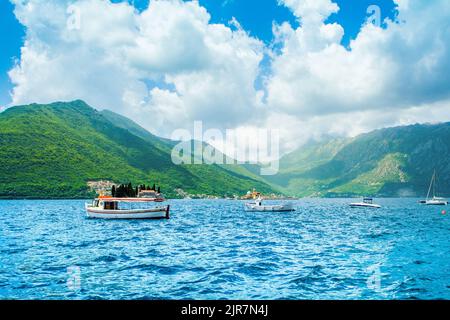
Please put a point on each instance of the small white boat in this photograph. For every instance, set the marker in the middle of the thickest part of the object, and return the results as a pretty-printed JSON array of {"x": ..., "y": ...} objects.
[
  {"x": 114, "y": 208},
  {"x": 366, "y": 203},
  {"x": 257, "y": 206},
  {"x": 434, "y": 201}
]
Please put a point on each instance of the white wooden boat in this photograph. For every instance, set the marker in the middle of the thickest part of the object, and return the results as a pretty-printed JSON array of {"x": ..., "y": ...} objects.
[
  {"x": 434, "y": 201},
  {"x": 121, "y": 208},
  {"x": 366, "y": 203},
  {"x": 257, "y": 206}
]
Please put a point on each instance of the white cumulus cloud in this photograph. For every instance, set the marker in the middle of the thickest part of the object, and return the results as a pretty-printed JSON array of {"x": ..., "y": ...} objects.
[
  {"x": 165, "y": 67},
  {"x": 386, "y": 76},
  {"x": 169, "y": 65}
]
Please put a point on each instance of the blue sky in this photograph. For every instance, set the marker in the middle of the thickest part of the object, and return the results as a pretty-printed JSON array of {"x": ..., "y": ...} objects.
[
  {"x": 11, "y": 35},
  {"x": 255, "y": 16}
]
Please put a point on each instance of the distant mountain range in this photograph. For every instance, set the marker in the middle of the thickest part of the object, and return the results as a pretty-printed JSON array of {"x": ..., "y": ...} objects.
[
  {"x": 388, "y": 162},
  {"x": 52, "y": 151}
]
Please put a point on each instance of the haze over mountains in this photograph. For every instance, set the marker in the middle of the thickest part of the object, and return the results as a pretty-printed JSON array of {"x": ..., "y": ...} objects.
[{"x": 52, "y": 150}]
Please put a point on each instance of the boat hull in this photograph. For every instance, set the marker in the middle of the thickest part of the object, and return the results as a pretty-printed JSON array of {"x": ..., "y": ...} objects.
[
  {"x": 279, "y": 208},
  {"x": 436, "y": 203},
  {"x": 364, "y": 205},
  {"x": 154, "y": 213}
]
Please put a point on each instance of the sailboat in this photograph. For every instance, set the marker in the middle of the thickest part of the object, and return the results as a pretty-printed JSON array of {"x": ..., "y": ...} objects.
[{"x": 434, "y": 201}]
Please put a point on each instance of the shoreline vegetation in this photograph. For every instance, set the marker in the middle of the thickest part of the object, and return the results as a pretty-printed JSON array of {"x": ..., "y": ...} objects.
[{"x": 212, "y": 198}]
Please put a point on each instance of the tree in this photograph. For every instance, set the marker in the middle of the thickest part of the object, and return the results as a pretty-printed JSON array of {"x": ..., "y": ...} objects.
[
  {"x": 113, "y": 191},
  {"x": 129, "y": 190},
  {"x": 118, "y": 191},
  {"x": 122, "y": 191}
]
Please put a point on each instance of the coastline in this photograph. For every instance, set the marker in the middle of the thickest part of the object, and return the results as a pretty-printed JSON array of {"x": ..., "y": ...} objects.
[{"x": 277, "y": 199}]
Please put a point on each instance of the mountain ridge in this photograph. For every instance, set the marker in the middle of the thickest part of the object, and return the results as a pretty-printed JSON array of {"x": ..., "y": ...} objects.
[
  {"x": 53, "y": 150},
  {"x": 395, "y": 161}
]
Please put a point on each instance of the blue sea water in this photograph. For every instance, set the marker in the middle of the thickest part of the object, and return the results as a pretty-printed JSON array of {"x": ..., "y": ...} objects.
[{"x": 212, "y": 249}]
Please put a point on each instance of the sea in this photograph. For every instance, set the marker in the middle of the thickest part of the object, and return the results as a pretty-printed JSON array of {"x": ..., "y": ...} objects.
[{"x": 213, "y": 249}]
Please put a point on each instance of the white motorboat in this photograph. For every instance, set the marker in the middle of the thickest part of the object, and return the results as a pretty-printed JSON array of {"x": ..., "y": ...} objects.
[
  {"x": 257, "y": 206},
  {"x": 125, "y": 208},
  {"x": 366, "y": 203},
  {"x": 434, "y": 201}
]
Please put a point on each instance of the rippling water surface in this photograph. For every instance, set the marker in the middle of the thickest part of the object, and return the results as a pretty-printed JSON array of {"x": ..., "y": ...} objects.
[{"x": 212, "y": 249}]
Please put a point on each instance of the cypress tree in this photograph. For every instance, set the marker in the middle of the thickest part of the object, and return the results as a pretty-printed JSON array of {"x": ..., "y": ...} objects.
[
  {"x": 129, "y": 190},
  {"x": 113, "y": 191}
]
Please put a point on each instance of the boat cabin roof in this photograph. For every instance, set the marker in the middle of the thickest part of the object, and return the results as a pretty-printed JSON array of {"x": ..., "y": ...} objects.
[{"x": 110, "y": 199}]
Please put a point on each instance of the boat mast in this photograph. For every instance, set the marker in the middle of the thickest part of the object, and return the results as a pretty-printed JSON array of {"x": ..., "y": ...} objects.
[
  {"x": 434, "y": 185},
  {"x": 431, "y": 185}
]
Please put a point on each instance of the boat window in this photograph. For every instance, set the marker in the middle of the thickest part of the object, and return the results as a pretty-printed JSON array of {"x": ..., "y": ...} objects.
[{"x": 111, "y": 205}]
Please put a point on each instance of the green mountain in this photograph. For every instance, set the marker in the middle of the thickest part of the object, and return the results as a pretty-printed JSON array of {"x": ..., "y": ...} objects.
[
  {"x": 127, "y": 124},
  {"x": 387, "y": 162},
  {"x": 53, "y": 150}
]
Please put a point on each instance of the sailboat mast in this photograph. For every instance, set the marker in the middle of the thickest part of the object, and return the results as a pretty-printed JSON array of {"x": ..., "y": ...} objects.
[
  {"x": 431, "y": 185},
  {"x": 434, "y": 185}
]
